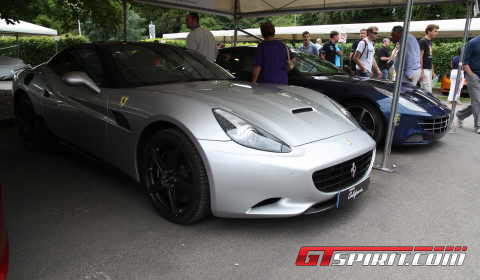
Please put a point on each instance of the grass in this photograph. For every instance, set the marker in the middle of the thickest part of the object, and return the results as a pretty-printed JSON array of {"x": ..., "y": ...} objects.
[{"x": 438, "y": 84}]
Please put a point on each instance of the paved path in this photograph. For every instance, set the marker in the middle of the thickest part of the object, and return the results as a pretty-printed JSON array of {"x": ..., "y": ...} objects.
[{"x": 70, "y": 218}]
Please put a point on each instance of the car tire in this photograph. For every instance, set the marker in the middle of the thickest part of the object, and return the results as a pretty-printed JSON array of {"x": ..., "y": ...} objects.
[
  {"x": 369, "y": 118},
  {"x": 175, "y": 178},
  {"x": 30, "y": 126}
]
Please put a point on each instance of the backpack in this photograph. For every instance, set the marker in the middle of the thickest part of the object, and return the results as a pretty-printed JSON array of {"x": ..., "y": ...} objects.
[
  {"x": 352, "y": 62},
  {"x": 366, "y": 48}
]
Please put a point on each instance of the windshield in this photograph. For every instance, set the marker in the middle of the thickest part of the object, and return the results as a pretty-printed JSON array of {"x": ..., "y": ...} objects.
[
  {"x": 311, "y": 65},
  {"x": 153, "y": 64}
]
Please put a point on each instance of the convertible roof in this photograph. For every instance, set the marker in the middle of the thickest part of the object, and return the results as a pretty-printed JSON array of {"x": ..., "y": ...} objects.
[
  {"x": 259, "y": 8},
  {"x": 451, "y": 28},
  {"x": 25, "y": 29}
]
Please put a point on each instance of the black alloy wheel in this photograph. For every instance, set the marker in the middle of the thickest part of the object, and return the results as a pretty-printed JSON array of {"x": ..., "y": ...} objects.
[
  {"x": 175, "y": 178},
  {"x": 369, "y": 118},
  {"x": 29, "y": 125}
]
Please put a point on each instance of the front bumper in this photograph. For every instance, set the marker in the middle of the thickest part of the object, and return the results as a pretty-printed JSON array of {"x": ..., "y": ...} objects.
[
  {"x": 241, "y": 178},
  {"x": 417, "y": 130}
]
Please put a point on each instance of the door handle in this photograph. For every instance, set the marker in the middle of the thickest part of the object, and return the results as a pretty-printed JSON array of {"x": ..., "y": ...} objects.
[{"x": 46, "y": 93}]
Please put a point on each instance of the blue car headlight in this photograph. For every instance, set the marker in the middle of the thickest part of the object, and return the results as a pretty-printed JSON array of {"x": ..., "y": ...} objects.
[
  {"x": 248, "y": 134},
  {"x": 405, "y": 102},
  {"x": 410, "y": 105}
]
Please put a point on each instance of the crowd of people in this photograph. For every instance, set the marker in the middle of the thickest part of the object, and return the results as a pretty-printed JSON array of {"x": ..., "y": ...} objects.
[{"x": 269, "y": 63}]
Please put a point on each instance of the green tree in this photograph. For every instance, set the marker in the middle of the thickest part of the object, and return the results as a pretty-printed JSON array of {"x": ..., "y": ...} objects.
[
  {"x": 12, "y": 11},
  {"x": 165, "y": 20},
  {"x": 135, "y": 29}
]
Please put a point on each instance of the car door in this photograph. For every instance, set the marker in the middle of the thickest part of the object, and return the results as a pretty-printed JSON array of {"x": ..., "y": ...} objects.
[
  {"x": 75, "y": 113},
  {"x": 243, "y": 64}
]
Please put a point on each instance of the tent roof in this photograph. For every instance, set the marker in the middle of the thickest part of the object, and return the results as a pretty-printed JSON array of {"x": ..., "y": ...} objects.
[
  {"x": 257, "y": 8},
  {"x": 25, "y": 29},
  {"x": 452, "y": 28}
]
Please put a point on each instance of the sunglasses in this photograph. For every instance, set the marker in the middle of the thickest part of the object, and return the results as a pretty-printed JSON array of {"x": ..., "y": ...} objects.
[{"x": 376, "y": 33}]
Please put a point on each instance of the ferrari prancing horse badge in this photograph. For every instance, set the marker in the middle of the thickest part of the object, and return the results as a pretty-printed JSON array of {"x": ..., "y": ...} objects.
[{"x": 123, "y": 101}]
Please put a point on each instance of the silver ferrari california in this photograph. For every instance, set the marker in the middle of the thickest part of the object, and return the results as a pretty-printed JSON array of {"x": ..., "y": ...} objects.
[{"x": 199, "y": 140}]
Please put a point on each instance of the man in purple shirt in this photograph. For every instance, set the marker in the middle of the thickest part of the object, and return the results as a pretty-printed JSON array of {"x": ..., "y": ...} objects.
[{"x": 412, "y": 70}]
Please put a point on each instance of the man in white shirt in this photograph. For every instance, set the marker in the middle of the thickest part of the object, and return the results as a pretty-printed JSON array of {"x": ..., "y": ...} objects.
[
  {"x": 364, "y": 55},
  {"x": 200, "y": 39},
  {"x": 319, "y": 45}
]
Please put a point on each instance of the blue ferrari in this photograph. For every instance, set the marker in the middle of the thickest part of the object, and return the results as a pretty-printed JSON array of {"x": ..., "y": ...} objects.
[{"x": 421, "y": 117}]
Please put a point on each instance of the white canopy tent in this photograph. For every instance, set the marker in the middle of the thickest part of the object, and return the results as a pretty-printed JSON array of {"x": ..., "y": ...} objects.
[
  {"x": 25, "y": 29},
  {"x": 259, "y": 8},
  {"x": 450, "y": 28}
]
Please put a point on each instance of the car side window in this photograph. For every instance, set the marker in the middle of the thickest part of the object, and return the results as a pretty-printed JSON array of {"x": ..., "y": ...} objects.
[
  {"x": 84, "y": 60},
  {"x": 224, "y": 59},
  {"x": 244, "y": 61}
]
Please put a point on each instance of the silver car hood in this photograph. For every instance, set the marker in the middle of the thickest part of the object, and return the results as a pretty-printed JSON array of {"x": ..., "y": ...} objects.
[{"x": 271, "y": 107}]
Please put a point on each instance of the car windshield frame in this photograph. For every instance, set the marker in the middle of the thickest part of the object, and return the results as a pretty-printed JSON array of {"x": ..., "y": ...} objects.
[
  {"x": 312, "y": 65},
  {"x": 166, "y": 65}
]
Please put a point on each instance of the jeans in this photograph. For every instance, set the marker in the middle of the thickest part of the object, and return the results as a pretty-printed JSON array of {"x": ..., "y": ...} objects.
[
  {"x": 361, "y": 74},
  {"x": 384, "y": 74}
]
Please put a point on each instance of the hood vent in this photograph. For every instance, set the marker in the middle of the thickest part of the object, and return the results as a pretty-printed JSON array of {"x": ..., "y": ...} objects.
[{"x": 302, "y": 110}]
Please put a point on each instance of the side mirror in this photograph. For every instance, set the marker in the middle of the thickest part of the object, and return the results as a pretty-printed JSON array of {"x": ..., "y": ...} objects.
[{"x": 76, "y": 79}]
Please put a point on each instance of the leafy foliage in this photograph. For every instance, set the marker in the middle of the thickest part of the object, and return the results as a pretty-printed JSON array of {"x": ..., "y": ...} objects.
[
  {"x": 102, "y": 13},
  {"x": 14, "y": 10},
  {"x": 442, "y": 56},
  {"x": 36, "y": 50},
  {"x": 135, "y": 29}
]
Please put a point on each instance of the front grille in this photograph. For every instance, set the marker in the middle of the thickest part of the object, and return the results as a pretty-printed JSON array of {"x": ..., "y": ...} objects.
[
  {"x": 339, "y": 176},
  {"x": 437, "y": 125}
]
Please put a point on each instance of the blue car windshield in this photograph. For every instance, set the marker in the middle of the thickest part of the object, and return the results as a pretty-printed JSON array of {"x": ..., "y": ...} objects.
[
  {"x": 153, "y": 64},
  {"x": 311, "y": 65}
]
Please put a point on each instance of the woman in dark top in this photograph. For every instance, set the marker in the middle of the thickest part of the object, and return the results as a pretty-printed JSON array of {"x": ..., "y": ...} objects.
[
  {"x": 453, "y": 78},
  {"x": 270, "y": 58}
]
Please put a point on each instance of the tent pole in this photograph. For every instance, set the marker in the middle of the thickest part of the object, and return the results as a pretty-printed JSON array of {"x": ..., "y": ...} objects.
[
  {"x": 341, "y": 58},
  {"x": 396, "y": 92},
  {"x": 250, "y": 34},
  {"x": 124, "y": 20},
  {"x": 236, "y": 24},
  {"x": 18, "y": 47},
  {"x": 451, "y": 128}
]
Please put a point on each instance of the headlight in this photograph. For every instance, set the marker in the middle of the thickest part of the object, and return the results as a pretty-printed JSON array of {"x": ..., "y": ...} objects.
[
  {"x": 344, "y": 111},
  {"x": 249, "y": 135},
  {"x": 405, "y": 102},
  {"x": 410, "y": 105}
]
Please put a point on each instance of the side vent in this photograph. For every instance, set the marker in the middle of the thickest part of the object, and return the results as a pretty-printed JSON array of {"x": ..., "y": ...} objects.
[
  {"x": 302, "y": 110},
  {"x": 121, "y": 120},
  {"x": 267, "y": 202},
  {"x": 28, "y": 79}
]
